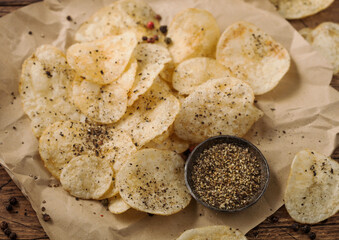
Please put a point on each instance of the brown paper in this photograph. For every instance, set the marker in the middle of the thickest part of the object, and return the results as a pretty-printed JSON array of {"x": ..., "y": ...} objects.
[{"x": 300, "y": 112}]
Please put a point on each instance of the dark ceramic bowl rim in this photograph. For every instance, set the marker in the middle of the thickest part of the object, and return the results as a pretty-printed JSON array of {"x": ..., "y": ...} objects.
[{"x": 251, "y": 145}]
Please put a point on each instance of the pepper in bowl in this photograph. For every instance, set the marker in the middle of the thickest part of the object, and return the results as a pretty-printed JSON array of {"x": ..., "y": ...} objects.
[{"x": 226, "y": 173}]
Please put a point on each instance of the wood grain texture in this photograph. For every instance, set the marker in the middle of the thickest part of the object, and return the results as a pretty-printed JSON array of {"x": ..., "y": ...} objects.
[{"x": 24, "y": 222}]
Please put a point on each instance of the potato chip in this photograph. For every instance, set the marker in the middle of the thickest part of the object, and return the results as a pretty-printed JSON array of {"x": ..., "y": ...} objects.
[
  {"x": 45, "y": 88},
  {"x": 62, "y": 141},
  {"x": 172, "y": 143},
  {"x": 194, "y": 33},
  {"x": 191, "y": 73},
  {"x": 325, "y": 39},
  {"x": 306, "y": 33},
  {"x": 127, "y": 78},
  {"x": 253, "y": 56},
  {"x": 221, "y": 232},
  {"x": 104, "y": 103},
  {"x": 111, "y": 192},
  {"x": 151, "y": 114},
  {"x": 102, "y": 61},
  {"x": 151, "y": 61},
  {"x": 167, "y": 73},
  {"x": 312, "y": 192},
  {"x": 87, "y": 177},
  {"x": 297, "y": 9},
  {"x": 164, "y": 135},
  {"x": 118, "y": 18},
  {"x": 217, "y": 107},
  {"x": 117, "y": 206},
  {"x": 153, "y": 181}
]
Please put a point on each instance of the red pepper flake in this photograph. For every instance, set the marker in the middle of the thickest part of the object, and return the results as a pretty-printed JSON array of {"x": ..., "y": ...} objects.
[
  {"x": 144, "y": 38},
  {"x": 150, "y": 40},
  {"x": 158, "y": 17},
  {"x": 101, "y": 215},
  {"x": 156, "y": 38},
  {"x": 150, "y": 25}
]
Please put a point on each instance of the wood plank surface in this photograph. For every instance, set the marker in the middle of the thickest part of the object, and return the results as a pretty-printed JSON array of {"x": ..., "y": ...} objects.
[{"x": 22, "y": 219}]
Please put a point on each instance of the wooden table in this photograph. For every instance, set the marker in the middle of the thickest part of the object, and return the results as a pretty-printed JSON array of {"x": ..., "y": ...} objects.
[{"x": 24, "y": 222}]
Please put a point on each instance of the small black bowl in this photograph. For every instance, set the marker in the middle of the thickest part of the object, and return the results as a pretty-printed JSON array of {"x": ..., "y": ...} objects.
[{"x": 233, "y": 140}]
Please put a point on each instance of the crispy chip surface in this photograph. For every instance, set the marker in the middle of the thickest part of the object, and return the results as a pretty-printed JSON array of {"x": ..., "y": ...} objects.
[
  {"x": 194, "y": 33},
  {"x": 218, "y": 107},
  {"x": 45, "y": 89},
  {"x": 173, "y": 143},
  {"x": 112, "y": 190},
  {"x": 253, "y": 56},
  {"x": 118, "y": 18},
  {"x": 151, "y": 60},
  {"x": 102, "y": 61},
  {"x": 221, "y": 232},
  {"x": 104, "y": 103},
  {"x": 153, "y": 181},
  {"x": 151, "y": 115},
  {"x": 117, "y": 206},
  {"x": 191, "y": 73},
  {"x": 87, "y": 177},
  {"x": 296, "y": 9},
  {"x": 62, "y": 141},
  {"x": 325, "y": 39},
  {"x": 312, "y": 192}
]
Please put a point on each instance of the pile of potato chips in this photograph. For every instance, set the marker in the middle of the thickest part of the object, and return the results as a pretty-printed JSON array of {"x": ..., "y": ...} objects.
[{"x": 115, "y": 112}]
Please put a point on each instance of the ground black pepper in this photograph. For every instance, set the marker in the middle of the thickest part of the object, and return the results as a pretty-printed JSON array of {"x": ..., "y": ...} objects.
[
  {"x": 312, "y": 235},
  {"x": 305, "y": 229},
  {"x": 295, "y": 227},
  {"x": 3, "y": 225},
  {"x": 13, "y": 201},
  {"x": 9, "y": 207},
  {"x": 13, "y": 236},
  {"x": 226, "y": 176},
  {"x": 7, "y": 231}
]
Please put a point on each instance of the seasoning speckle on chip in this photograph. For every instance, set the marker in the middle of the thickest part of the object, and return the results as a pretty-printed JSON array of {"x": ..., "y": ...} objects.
[
  {"x": 104, "y": 103},
  {"x": 151, "y": 61},
  {"x": 153, "y": 181},
  {"x": 102, "y": 61},
  {"x": 195, "y": 71},
  {"x": 62, "y": 141},
  {"x": 119, "y": 17},
  {"x": 226, "y": 176},
  {"x": 252, "y": 56},
  {"x": 151, "y": 115},
  {"x": 217, "y": 107},
  {"x": 87, "y": 177},
  {"x": 296, "y": 9},
  {"x": 192, "y": 33},
  {"x": 45, "y": 85},
  {"x": 312, "y": 187}
]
